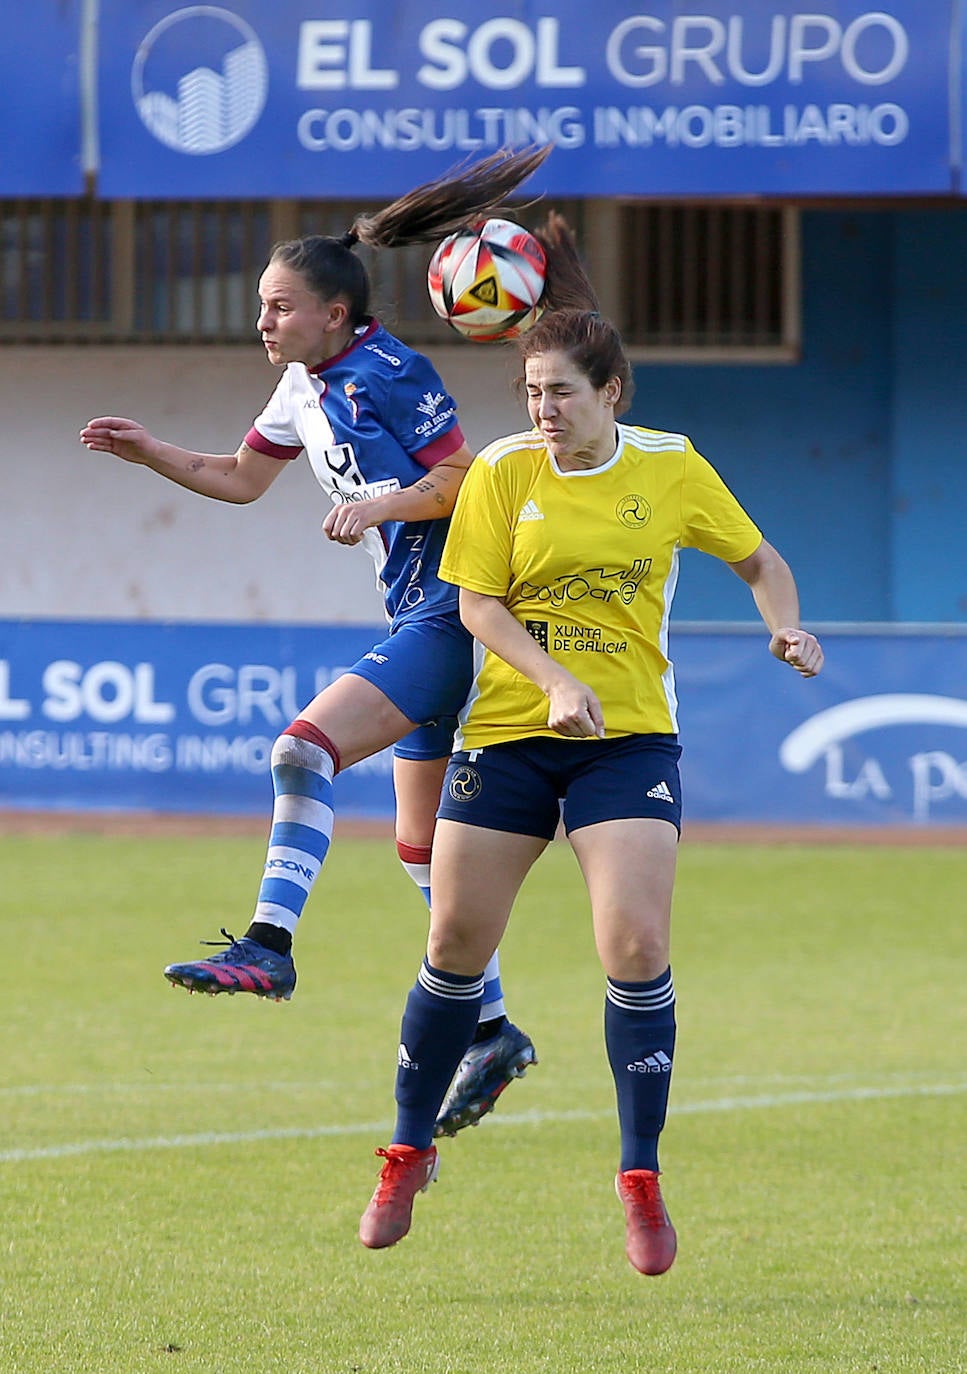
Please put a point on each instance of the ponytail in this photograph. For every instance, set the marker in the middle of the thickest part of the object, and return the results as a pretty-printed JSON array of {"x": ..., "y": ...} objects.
[
  {"x": 572, "y": 322},
  {"x": 329, "y": 265},
  {"x": 440, "y": 207},
  {"x": 567, "y": 285}
]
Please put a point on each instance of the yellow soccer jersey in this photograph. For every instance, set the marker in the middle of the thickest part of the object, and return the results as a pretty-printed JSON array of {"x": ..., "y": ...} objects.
[{"x": 587, "y": 561}]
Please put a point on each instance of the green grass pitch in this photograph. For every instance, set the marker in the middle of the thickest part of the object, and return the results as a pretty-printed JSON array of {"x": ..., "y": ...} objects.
[{"x": 182, "y": 1178}]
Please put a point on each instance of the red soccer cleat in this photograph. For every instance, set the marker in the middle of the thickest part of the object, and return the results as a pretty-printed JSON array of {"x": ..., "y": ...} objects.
[
  {"x": 407, "y": 1171},
  {"x": 650, "y": 1240}
]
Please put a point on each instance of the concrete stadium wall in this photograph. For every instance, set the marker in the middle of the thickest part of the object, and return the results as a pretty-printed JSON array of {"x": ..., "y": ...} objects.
[
  {"x": 853, "y": 461},
  {"x": 87, "y": 536}
]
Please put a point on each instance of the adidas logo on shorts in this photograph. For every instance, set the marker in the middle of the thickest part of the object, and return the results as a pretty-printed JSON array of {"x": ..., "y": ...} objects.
[{"x": 660, "y": 792}]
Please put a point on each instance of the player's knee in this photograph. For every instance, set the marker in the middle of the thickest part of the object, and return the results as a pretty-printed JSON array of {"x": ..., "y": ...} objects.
[
  {"x": 303, "y": 745},
  {"x": 636, "y": 955},
  {"x": 453, "y": 949}
]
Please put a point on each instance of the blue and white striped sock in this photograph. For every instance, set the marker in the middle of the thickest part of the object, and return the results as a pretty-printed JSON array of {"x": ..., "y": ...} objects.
[
  {"x": 493, "y": 1008},
  {"x": 302, "y": 821},
  {"x": 639, "y": 1031},
  {"x": 415, "y": 859},
  {"x": 416, "y": 864}
]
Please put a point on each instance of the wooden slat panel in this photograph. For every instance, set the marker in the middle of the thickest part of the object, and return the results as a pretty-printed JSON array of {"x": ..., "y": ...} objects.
[{"x": 675, "y": 276}]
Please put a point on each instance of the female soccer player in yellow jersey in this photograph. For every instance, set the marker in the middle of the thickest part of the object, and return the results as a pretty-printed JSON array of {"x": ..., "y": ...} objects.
[{"x": 565, "y": 545}]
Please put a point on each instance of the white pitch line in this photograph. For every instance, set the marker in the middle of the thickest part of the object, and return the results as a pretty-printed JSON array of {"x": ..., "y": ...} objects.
[
  {"x": 124, "y": 1144},
  {"x": 149, "y": 1085}
]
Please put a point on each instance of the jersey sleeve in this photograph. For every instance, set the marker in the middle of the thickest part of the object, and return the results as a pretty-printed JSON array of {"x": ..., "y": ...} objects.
[
  {"x": 477, "y": 554},
  {"x": 421, "y": 414},
  {"x": 272, "y": 431},
  {"x": 712, "y": 519}
]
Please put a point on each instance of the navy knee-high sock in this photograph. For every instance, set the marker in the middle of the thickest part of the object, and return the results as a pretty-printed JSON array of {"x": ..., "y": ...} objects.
[
  {"x": 639, "y": 1031},
  {"x": 438, "y": 1025}
]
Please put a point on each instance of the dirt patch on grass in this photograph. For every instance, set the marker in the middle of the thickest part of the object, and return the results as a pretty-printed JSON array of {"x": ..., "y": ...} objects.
[{"x": 184, "y": 824}]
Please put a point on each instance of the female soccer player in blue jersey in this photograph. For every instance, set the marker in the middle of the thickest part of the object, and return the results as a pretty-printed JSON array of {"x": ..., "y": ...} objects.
[
  {"x": 565, "y": 545},
  {"x": 381, "y": 434}
]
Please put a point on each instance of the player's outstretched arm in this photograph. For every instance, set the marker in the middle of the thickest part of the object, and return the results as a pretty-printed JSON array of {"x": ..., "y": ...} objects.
[
  {"x": 773, "y": 588},
  {"x": 238, "y": 477}
]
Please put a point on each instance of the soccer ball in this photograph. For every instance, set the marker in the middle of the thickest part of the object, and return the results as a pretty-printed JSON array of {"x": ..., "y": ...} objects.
[{"x": 487, "y": 280}]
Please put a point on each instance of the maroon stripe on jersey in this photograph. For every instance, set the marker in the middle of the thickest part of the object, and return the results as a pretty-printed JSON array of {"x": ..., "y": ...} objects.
[
  {"x": 262, "y": 445},
  {"x": 441, "y": 448}
]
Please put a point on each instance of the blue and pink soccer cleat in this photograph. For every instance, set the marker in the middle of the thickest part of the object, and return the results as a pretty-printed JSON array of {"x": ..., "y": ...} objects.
[{"x": 245, "y": 966}]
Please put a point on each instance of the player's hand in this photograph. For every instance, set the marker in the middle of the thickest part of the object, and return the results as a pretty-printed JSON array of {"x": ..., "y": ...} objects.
[
  {"x": 347, "y": 523},
  {"x": 574, "y": 710},
  {"x": 800, "y": 649},
  {"x": 126, "y": 439}
]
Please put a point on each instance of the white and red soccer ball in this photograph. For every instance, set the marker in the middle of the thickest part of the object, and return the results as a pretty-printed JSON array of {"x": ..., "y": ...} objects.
[{"x": 487, "y": 280}]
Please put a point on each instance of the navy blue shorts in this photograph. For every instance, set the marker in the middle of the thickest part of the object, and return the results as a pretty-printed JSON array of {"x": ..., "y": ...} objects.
[
  {"x": 527, "y": 787},
  {"x": 425, "y": 668}
]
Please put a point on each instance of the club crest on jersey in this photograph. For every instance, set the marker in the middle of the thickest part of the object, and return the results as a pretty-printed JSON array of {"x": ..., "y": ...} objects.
[
  {"x": 633, "y": 511},
  {"x": 350, "y": 390},
  {"x": 430, "y": 404}
]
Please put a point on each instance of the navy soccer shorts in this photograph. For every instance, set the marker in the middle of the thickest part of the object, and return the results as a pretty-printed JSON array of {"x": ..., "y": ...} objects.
[
  {"x": 528, "y": 786},
  {"x": 425, "y": 668}
]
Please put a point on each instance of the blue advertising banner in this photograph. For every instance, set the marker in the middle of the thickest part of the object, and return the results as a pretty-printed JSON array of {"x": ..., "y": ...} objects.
[
  {"x": 112, "y": 715},
  {"x": 257, "y": 99},
  {"x": 115, "y": 716},
  {"x": 877, "y": 739},
  {"x": 41, "y": 150}
]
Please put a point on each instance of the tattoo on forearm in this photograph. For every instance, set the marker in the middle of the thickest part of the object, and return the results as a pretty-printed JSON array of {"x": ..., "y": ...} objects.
[
  {"x": 428, "y": 486},
  {"x": 196, "y": 464}
]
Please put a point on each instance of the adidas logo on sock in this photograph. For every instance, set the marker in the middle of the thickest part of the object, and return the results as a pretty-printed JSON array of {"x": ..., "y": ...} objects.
[
  {"x": 403, "y": 1058},
  {"x": 530, "y": 510},
  {"x": 660, "y": 792},
  {"x": 658, "y": 1062}
]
